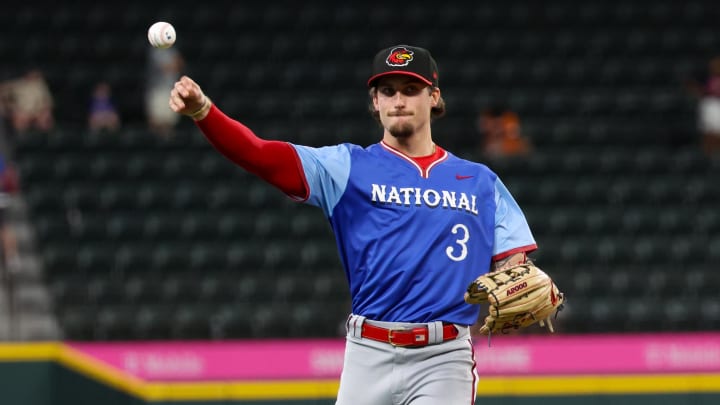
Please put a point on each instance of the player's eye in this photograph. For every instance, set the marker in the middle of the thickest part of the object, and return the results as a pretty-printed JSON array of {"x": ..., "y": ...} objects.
[
  {"x": 387, "y": 91},
  {"x": 411, "y": 90}
]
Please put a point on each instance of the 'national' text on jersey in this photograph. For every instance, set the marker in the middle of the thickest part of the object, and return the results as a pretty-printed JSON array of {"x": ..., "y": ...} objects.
[{"x": 408, "y": 196}]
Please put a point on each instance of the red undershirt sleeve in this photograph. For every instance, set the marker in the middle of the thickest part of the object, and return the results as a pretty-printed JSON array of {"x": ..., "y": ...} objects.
[
  {"x": 522, "y": 249},
  {"x": 276, "y": 162}
]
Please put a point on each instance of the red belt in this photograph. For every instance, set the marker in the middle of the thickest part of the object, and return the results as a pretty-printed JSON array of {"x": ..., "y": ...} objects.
[{"x": 415, "y": 337}]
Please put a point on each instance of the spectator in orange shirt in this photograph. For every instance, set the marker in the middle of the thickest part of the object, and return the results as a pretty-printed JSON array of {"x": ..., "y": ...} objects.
[{"x": 501, "y": 133}]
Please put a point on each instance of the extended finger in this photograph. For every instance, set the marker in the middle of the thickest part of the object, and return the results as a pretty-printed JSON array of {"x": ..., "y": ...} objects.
[{"x": 182, "y": 90}]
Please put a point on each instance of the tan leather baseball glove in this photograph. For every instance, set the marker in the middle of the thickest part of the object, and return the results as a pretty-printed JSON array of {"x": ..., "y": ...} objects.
[{"x": 518, "y": 296}]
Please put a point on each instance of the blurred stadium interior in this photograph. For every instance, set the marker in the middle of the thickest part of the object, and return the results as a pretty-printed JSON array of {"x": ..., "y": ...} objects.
[{"x": 130, "y": 236}]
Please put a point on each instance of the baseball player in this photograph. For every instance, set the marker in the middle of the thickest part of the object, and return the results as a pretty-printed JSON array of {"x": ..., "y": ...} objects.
[{"x": 414, "y": 226}]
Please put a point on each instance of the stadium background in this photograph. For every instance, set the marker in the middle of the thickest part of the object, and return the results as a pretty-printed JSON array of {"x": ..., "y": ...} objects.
[{"x": 134, "y": 237}]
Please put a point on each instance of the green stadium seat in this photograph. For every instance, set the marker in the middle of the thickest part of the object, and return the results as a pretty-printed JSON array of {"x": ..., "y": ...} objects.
[
  {"x": 77, "y": 322},
  {"x": 233, "y": 322},
  {"x": 191, "y": 322},
  {"x": 114, "y": 323},
  {"x": 152, "y": 322}
]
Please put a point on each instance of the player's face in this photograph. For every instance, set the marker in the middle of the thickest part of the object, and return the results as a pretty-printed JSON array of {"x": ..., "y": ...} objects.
[{"x": 404, "y": 104}]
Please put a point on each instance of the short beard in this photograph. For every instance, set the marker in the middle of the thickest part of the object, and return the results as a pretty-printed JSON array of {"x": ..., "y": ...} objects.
[{"x": 401, "y": 131}]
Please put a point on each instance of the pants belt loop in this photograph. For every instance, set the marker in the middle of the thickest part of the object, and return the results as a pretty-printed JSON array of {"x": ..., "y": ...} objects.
[
  {"x": 355, "y": 325},
  {"x": 435, "y": 332}
]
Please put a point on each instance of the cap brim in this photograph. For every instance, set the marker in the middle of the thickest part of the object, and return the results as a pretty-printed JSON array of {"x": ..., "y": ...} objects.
[{"x": 398, "y": 72}]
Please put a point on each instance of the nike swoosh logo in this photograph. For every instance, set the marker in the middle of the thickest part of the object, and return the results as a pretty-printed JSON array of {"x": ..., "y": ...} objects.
[{"x": 459, "y": 177}]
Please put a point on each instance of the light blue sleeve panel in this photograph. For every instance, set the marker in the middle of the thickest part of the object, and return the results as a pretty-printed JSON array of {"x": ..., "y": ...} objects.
[
  {"x": 511, "y": 228},
  {"x": 327, "y": 170}
]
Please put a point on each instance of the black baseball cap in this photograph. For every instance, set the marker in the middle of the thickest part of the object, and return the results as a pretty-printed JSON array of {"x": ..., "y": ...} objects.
[{"x": 405, "y": 60}]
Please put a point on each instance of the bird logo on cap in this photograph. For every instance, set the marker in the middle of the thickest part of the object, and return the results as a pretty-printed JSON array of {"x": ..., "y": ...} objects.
[{"x": 399, "y": 57}]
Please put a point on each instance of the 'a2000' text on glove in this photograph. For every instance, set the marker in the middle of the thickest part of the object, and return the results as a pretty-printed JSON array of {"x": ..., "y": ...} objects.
[{"x": 518, "y": 296}]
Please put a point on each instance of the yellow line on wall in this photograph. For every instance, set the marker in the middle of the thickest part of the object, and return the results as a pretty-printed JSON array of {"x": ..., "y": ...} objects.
[
  {"x": 245, "y": 390},
  {"x": 99, "y": 371},
  {"x": 488, "y": 386},
  {"x": 29, "y": 351}
]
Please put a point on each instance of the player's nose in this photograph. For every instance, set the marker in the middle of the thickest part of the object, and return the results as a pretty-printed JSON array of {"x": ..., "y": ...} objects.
[{"x": 399, "y": 99}]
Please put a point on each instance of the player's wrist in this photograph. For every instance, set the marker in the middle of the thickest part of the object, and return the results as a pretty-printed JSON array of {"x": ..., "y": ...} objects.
[{"x": 203, "y": 111}]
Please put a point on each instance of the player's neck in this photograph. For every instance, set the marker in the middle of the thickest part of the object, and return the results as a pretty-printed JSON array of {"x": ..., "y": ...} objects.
[{"x": 413, "y": 146}]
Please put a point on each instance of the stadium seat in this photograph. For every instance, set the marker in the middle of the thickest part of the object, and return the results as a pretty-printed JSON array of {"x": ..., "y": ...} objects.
[
  {"x": 233, "y": 322},
  {"x": 104, "y": 292},
  {"x": 115, "y": 197},
  {"x": 143, "y": 290},
  {"x": 152, "y": 322},
  {"x": 244, "y": 256},
  {"x": 208, "y": 256},
  {"x": 280, "y": 256},
  {"x": 170, "y": 258},
  {"x": 606, "y": 315},
  {"x": 191, "y": 322},
  {"x": 330, "y": 285},
  {"x": 132, "y": 258},
  {"x": 94, "y": 258},
  {"x": 574, "y": 250},
  {"x": 124, "y": 227},
  {"x": 67, "y": 291},
  {"x": 603, "y": 221},
  {"x": 77, "y": 322},
  {"x": 162, "y": 226},
  {"x": 710, "y": 313},
  {"x": 114, "y": 323},
  {"x": 681, "y": 315},
  {"x": 643, "y": 314},
  {"x": 78, "y": 196}
]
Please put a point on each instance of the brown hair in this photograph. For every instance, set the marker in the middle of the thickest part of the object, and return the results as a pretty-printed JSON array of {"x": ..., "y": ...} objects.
[{"x": 436, "y": 112}]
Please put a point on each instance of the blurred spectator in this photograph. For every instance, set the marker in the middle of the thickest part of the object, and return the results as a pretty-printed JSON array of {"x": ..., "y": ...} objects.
[
  {"x": 29, "y": 103},
  {"x": 163, "y": 70},
  {"x": 4, "y": 110},
  {"x": 102, "y": 114},
  {"x": 9, "y": 187},
  {"x": 706, "y": 88},
  {"x": 501, "y": 133}
]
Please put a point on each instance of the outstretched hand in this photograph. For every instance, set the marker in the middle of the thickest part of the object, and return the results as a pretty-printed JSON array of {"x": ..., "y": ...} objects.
[{"x": 187, "y": 98}]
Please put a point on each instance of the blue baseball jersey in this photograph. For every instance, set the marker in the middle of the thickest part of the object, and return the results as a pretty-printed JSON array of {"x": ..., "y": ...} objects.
[{"x": 411, "y": 240}]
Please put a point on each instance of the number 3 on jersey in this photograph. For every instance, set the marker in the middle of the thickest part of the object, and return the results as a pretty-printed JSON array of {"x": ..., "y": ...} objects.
[{"x": 462, "y": 242}]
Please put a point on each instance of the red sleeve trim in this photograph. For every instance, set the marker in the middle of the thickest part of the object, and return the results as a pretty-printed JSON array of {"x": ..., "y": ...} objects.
[
  {"x": 526, "y": 249},
  {"x": 276, "y": 162}
]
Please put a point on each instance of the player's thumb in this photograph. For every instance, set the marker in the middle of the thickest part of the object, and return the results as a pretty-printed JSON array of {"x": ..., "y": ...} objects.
[
  {"x": 197, "y": 104},
  {"x": 190, "y": 91}
]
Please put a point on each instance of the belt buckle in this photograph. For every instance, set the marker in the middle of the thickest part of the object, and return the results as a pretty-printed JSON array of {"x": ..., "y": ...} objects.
[
  {"x": 420, "y": 337},
  {"x": 390, "y": 337}
]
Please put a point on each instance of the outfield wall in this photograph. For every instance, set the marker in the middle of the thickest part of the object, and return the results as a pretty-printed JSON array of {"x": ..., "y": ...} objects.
[{"x": 618, "y": 369}]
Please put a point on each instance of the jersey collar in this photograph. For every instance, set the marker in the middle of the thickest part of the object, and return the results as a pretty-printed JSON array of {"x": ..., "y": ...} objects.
[{"x": 440, "y": 156}]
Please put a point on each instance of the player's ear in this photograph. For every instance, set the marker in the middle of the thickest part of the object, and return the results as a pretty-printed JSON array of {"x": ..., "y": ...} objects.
[
  {"x": 374, "y": 99},
  {"x": 435, "y": 95}
]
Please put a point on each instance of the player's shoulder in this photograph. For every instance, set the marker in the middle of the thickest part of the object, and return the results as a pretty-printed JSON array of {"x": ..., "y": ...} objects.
[
  {"x": 479, "y": 169},
  {"x": 355, "y": 149},
  {"x": 327, "y": 149}
]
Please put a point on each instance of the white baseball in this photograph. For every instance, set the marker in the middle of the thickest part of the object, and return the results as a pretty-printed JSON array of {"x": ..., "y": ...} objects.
[{"x": 161, "y": 35}]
